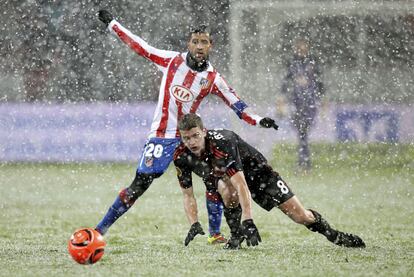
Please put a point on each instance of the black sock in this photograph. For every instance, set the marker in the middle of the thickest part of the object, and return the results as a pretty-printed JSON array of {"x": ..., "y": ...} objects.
[
  {"x": 322, "y": 226},
  {"x": 233, "y": 218}
]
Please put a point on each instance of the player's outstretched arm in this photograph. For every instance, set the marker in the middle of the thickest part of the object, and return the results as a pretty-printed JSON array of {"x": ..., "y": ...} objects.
[
  {"x": 160, "y": 57},
  {"x": 229, "y": 96}
]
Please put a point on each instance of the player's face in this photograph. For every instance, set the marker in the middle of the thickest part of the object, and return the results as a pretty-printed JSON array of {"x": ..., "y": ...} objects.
[
  {"x": 194, "y": 139},
  {"x": 199, "y": 46},
  {"x": 302, "y": 49}
]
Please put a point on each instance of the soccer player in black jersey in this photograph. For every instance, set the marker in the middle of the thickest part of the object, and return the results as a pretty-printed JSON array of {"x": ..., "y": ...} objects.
[{"x": 239, "y": 172}]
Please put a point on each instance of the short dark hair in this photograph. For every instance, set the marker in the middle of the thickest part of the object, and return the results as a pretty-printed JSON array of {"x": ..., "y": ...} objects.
[
  {"x": 200, "y": 29},
  {"x": 190, "y": 121}
]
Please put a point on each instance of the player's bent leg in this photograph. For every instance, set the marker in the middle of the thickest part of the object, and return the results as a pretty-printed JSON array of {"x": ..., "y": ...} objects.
[
  {"x": 141, "y": 183},
  {"x": 233, "y": 218},
  {"x": 232, "y": 213},
  {"x": 228, "y": 193},
  {"x": 337, "y": 237}
]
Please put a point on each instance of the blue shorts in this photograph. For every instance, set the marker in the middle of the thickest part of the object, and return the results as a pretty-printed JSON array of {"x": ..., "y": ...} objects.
[{"x": 157, "y": 155}]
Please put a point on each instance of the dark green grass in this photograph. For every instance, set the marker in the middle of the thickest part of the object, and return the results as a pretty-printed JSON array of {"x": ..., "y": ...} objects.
[{"x": 365, "y": 189}]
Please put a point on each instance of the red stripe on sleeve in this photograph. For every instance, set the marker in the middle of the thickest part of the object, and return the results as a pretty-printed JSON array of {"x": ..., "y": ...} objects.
[
  {"x": 231, "y": 171},
  {"x": 217, "y": 92},
  {"x": 172, "y": 69},
  {"x": 219, "y": 154},
  {"x": 248, "y": 119},
  {"x": 244, "y": 116},
  {"x": 139, "y": 49}
]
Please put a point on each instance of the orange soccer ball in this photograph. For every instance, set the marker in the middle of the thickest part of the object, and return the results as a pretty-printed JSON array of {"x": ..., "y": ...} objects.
[{"x": 86, "y": 246}]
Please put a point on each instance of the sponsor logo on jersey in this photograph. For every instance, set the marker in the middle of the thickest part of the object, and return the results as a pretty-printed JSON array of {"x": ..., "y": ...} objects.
[{"x": 182, "y": 94}]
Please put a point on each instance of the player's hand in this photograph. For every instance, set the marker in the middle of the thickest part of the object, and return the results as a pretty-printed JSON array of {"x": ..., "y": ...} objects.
[
  {"x": 105, "y": 16},
  {"x": 267, "y": 122},
  {"x": 251, "y": 233},
  {"x": 194, "y": 231}
]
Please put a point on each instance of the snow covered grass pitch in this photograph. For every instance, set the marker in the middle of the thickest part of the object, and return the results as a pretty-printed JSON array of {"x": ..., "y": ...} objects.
[{"x": 364, "y": 189}]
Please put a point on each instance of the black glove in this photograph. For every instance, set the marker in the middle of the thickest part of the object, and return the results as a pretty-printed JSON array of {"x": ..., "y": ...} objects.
[
  {"x": 251, "y": 233},
  {"x": 267, "y": 122},
  {"x": 105, "y": 16},
  {"x": 194, "y": 231}
]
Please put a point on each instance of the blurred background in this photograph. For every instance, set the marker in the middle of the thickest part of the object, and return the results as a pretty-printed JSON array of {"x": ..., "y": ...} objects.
[
  {"x": 76, "y": 105},
  {"x": 57, "y": 53}
]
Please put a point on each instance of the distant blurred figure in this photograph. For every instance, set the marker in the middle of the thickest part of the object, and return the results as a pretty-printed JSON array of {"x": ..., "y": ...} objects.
[
  {"x": 32, "y": 51},
  {"x": 303, "y": 88},
  {"x": 35, "y": 80}
]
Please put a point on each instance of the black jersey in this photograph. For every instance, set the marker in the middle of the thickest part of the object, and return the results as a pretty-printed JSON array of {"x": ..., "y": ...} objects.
[{"x": 225, "y": 153}]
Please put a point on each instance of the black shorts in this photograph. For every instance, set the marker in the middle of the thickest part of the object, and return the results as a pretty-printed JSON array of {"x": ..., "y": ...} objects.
[{"x": 268, "y": 189}]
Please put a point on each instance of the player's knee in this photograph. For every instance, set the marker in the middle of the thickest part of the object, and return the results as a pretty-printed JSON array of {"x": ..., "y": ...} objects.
[
  {"x": 127, "y": 197},
  {"x": 141, "y": 183},
  {"x": 233, "y": 201},
  {"x": 230, "y": 197},
  {"x": 230, "y": 201}
]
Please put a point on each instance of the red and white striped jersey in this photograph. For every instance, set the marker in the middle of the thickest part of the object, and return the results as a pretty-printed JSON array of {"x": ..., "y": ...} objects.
[{"x": 182, "y": 89}]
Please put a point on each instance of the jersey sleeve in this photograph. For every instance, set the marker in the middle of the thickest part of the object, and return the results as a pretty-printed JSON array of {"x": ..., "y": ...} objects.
[
  {"x": 183, "y": 172},
  {"x": 159, "y": 57},
  {"x": 226, "y": 157},
  {"x": 229, "y": 96}
]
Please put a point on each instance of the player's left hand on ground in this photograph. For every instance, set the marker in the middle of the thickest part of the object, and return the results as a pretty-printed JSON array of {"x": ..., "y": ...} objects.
[
  {"x": 105, "y": 16},
  {"x": 267, "y": 122},
  {"x": 194, "y": 231},
  {"x": 251, "y": 233}
]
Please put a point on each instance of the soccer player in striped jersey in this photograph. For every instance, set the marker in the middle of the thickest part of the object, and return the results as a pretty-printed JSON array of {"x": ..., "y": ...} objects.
[{"x": 187, "y": 79}]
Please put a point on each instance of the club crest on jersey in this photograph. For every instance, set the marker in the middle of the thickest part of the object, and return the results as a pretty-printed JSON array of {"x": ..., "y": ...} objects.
[
  {"x": 182, "y": 94},
  {"x": 149, "y": 161},
  {"x": 204, "y": 83}
]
